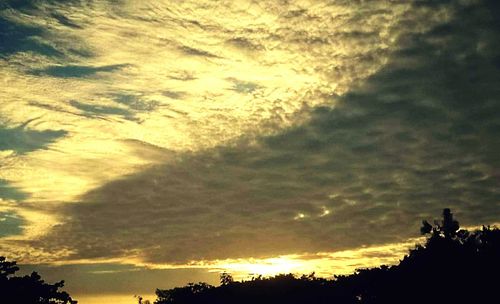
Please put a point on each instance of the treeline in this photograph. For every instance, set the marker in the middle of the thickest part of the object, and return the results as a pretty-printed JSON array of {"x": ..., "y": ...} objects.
[{"x": 453, "y": 266}]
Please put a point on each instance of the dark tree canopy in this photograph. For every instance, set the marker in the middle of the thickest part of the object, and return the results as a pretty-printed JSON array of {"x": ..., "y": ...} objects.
[
  {"x": 29, "y": 289},
  {"x": 453, "y": 266},
  {"x": 447, "y": 228}
]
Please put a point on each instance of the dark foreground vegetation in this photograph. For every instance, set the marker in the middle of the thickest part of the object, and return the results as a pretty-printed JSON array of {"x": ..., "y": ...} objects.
[
  {"x": 453, "y": 266},
  {"x": 29, "y": 289}
]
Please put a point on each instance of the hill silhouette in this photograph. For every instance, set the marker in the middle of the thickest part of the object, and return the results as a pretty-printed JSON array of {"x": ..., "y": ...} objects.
[{"x": 453, "y": 266}]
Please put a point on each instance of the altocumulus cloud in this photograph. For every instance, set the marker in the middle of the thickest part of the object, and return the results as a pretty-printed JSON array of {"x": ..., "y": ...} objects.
[
  {"x": 269, "y": 60},
  {"x": 419, "y": 134},
  {"x": 58, "y": 51}
]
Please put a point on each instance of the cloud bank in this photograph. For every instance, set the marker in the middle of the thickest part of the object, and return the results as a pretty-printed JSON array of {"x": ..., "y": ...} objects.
[{"x": 364, "y": 168}]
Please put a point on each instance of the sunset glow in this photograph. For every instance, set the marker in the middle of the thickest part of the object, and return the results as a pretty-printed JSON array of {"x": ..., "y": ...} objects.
[{"x": 171, "y": 141}]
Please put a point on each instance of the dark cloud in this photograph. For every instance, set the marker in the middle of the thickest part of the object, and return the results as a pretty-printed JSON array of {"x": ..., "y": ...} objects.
[
  {"x": 196, "y": 52},
  {"x": 134, "y": 105},
  {"x": 54, "y": 108},
  {"x": 244, "y": 44},
  {"x": 65, "y": 21},
  {"x": 419, "y": 135},
  {"x": 22, "y": 140},
  {"x": 16, "y": 37},
  {"x": 77, "y": 71},
  {"x": 26, "y": 28},
  {"x": 100, "y": 111},
  {"x": 10, "y": 224},
  {"x": 30, "y": 4},
  {"x": 8, "y": 192}
]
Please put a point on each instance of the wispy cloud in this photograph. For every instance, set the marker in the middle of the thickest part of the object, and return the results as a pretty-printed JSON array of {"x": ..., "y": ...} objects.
[
  {"x": 9, "y": 192},
  {"x": 75, "y": 71},
  {"x": 21, "y": 139}
]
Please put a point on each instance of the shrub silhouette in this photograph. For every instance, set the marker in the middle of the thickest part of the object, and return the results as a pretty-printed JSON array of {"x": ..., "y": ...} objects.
[
  {"x": 29, "y": 289},
  {"x": 453, "y": 266}
]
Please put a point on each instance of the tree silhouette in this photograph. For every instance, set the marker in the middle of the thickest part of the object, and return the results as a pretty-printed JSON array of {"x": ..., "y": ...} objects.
[
  {"x": 29, "y": 289},
  {"x": 226, "y": 278},
  {"x": 140, "y": 298},
  {"x": 448, "y": 227},
  {"x": 453, "y": 266}
]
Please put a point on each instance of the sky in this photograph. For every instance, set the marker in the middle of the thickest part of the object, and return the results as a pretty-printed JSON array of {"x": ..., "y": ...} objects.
[{"x": 148, "y": 144}]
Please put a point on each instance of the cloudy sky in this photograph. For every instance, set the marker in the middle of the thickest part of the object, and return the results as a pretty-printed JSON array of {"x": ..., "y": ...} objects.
[{"x": 148, "y": 144}]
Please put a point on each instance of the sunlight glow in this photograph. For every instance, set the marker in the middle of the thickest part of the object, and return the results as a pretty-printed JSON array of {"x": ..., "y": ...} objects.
[
  {"x": 265, "y": 267},
  {"x": 323, "y": 264},
  {"x": 324, "y": 212},
  {"x": 114, "y": 299},
  {"x": 299, "y": 216}
]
